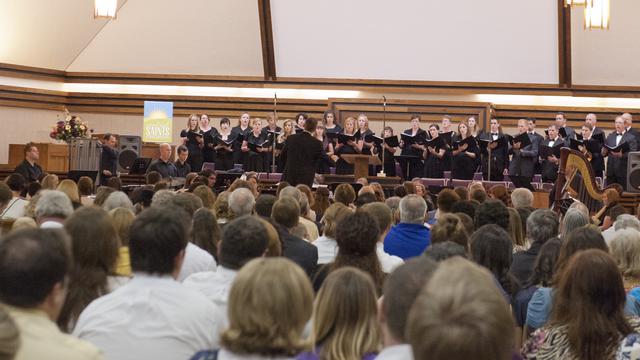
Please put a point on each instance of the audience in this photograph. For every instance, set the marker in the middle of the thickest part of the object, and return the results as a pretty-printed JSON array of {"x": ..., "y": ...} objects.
[
  {"x": 622, "y": 221},
  {"x": 122, "y": 219},
  {"x": 572, "y": 220},
  {"x": 625, "y": 250},
  {"x": 449, "y": 228},
  {"x": 241, "y": 202},
  {"x": 444, "y": 250},
  {"x": 206, "y": 233},
  {"x": 52, "y": 208},
  {"x": 382, "y": 215},
  {"x": 410, "y": 237},
  {"x": 117, "y": 199},
  {"x": 326, "y": 244},
  {"x": 264, "y": 205},
  {"x": 516, "y": 233},
  {"x": 115, "y": 322},
  {"x": 542, "y": 225},
  {"x": 9, "y": 336},
  {"x": 297, "y": 195},
  {"x": 69, "y": 188},
  {"x": 492, "y": 212},
  {"x": 521, "y": 197},
  {"x": 344, "y": 194},
  {"x": 15, "y": 207}
]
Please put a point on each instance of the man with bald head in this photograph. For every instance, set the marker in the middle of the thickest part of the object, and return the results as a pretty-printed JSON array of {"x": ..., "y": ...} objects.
[
  {"x": 163, "y": 165},
  {"x": 591, "y": 119},
  {"x": 617, "y": 161},
  {"x": 628, "y": 126}
]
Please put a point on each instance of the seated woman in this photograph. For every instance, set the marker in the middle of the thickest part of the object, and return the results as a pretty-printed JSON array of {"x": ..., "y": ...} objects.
[
  {"x": 270, "y": 302},
  {"x": 344, "y": 318},
  {"x": 610, "y": 198}
]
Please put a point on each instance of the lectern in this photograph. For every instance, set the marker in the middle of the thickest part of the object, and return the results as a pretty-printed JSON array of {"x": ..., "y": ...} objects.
[{"x": 361, "y": 163}]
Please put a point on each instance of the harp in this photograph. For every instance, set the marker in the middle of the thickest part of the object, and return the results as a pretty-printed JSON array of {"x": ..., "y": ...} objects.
[{"x": 576, "y": 180}]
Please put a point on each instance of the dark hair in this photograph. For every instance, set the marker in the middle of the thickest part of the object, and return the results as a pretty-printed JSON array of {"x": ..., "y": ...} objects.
[
  {"x": 449, "y": 227},
  {"x": 492, "y": 212},
  {"x": 156, "y": 237},
  {"x": 182, "y": 149},
  {"x": 491, "y": 247},
  {"x": 33, "y": 188},
  {"x": 446, "y": 199},
  {"x": 244, "y": 238},
  {"x": 532, "y": 119},
  {"x": 410, "y": 187},
  {"x": 365, "y": 198},
  {"x": 400, "y": 191},
  {"x": 153, "y": 177},
  {"x": 415, "y": 116},
  {"x": 206, "y": 233},
  {"x": 616, "y": 211},
  {"x": 115, "y": 183},
  {"x": 381, "y": 212},
  {"x": 580, "y": 239},
  {"x": 524, "y": 212},
  {"x": 561, "y": 113},
  {"x": 286, "y": 212},
  {"x": 444, "y": 250},
  {"x": 264, "y": 205},
  {"x": 16, "y": 182},
  {"x": 401, "y": 290},
  {"x": 590, "y": 302},
  {"x": 466, "y": 207},
  {"x": 462, "y": 192},
  {"x": 187, "y": 202},
  {"x": 545, "y": 264},
  {"x": 478, "y": 195},
  {"x": 32, "y": 261},
  {"x": 28, "y": 147},
  {"x": 310, "y": 124},
  {"x": 326, "y": 113},
  {"x": 85, "y": 186},
  {"x": 225, "y": 120},
  {"x": 357, "y": 237},
  {"x": 94, "y": 245},
  {"x": 107, "y": 136}
]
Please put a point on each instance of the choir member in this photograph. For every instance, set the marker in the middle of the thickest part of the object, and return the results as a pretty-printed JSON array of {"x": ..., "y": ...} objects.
[
  {"x": 561, "y": 124},
  {"x": 473, "y": 127},
  {"x": 193, "y": 139},
  {"x": 595, "y": 157},
  {"x": 537, "y": 138},
  {"x": 328, "y": 156},
  {"x": 351, "y": 147},
  {"x": 499, "y": 160},
  {"x": 550, "y": 163},
  {"x": 239, "y": 132},
  {"x": 414, "y": 165},
  {"x": 446, "y": 128},
  {"x": 330, "y": 125},
  {"x": 389, "y": 161},
  {"x": 257, "y": 155},
  {"x": 209, "y": 133},
  {"x": 272, "y": 130},
  {"x": 287, "y": 130},
  {"x": 617, "y": 161},
  {"x": 224, "y": 150},
  {"x": 464, "y": 163},
  {"x": 363, "y": 129},
  {"x": 591, "y": 119},
  {"x": 434, "y": 156},
  {"x": 300, "y": 120},
  {"x": 523, "y": 159}
]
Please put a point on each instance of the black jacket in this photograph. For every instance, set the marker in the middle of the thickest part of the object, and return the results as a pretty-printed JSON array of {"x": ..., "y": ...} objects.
[
  {"x": 618, "y": 166},
  {"x": 523, "y": 161},
  {"x": 300, "y": 252},
  {"x": 301, "y": 155},
  {"x": 30, "y": 173}
]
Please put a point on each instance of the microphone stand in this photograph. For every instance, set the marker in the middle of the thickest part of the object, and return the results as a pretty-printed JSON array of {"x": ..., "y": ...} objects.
[
  {"x": 384, "y": 124},
  {"x": 274, "y": 168}
]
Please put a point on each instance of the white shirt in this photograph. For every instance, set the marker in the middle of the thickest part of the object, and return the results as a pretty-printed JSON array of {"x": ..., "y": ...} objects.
[
  {"x": 387, "y": 262},
  {"x": 196, "y": 260},
  {"x": 396, "y": 352},
  {"x": 50, "y": 224},
  {"x": 15, "y": 209},
  {"x": 327, "y": 249},
  {"x": 150, "y": 317},
  {"x": 618, "y": 138},
  {"x": 228, "y": 355}
]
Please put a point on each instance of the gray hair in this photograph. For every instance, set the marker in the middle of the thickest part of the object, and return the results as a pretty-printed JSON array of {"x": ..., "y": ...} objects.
[
  {"x": 162, "y": 197},
  {"x": 413, "y": 209},
  {"x": 241, "y": 202},
  {"x": 580, "y": 206},
  {"x": 53, "y": 203},
  {"x": 625, "y": 221},
  {"x": 117, "y": 199},
  {"x": 304, "y": 204},
  {"x": 542, "y": 225},
  {"x": 291, "y": 191},
  {"x": 393, "y": 203},
  {"x": 625, "y": 249},
  {"x": 573, "y": 219},
  {"x": 521, "y": 197}
]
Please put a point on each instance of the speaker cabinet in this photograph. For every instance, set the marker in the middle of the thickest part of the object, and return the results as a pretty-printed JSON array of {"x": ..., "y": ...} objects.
[
  {"x": 129, "y": 147},
  {"x": 633, "y": 172}
]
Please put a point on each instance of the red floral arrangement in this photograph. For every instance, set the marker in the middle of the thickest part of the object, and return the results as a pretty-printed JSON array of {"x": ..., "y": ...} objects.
[{"x": 70, "y": 128}]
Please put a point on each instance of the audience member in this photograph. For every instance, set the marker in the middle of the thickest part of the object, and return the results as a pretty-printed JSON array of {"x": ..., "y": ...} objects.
[
  {"x": 542, "y": 225},
  {"x": 621, "y": 221},
  {"x": 572, "y": 220},
  {"x": 52, "y": 208},
  {"x": 274, "y": 243},
  {"x": 9, "y": 336},
  {"x": 297, "y": 195},
  {"x": 479, "y": 195},
  {"x": 449, "y": 228},
  {"x": 221, "y": 208},
  {"x": 321, "y": 203},
  {"x": 515, "y": 231},
  {"x": 86, "y": 190},
  {"x": 326, "y": 244},
  {"x": 264, "y": 205},
  {"x": 345, "y": 194},
  {"x": 34, "y": 264},
  {"x": 69, "y": 188},
  {"x": 365, "y": 198},
  {"x": 492, "y": 212},
  {"x": 446, "y": 199},
  {"x": 15, "y": 206},
  {"x": 115, "y": 323},
  {"x": 394, "y": 204},
  {"x": 500, "y": 192},
  {"x": 206, "y": 195},
  {"x": 521, "y": 197},
  {"x": 410, "y": 237},
  {"x": 286, "y": 213},
  {"x": 465, "y": 206},
  {"x": 382, "y": 214},
  {"x": 463, "y": 192},
  {"x": 50, "y": 182},
  {"x": 524, "y": 213},
  {"x": 206, "y": 233},
  {"x": 444, "y": 250},
  {"x": 102, "y": 193},
  {"x": 115, "y": 183},
  {"x": 122, "y": 219},
  {"x": 117, "y": 199},
  {"x": 625, "y": 250},
  {"x": 467, "y": 222},
  {"x": 241, "y": 202}
]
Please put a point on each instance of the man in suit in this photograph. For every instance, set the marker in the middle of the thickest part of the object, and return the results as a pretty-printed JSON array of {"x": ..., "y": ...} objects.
[
  {"x": 617, "y": 160},
  {"x": 628, "y": 125},
  {"x": 537, "y": 138},
  {"x": 591, "y": 119},
  {"x": 561, "y": 123},
  {"x": 108, "y": 159},
  {"x": 499, "y": 161},
  {"x": 301, "y": 154},
  {"x": 597, "y": 161},
  {"x": 523, "y": 159},
  {"x": 550, "y": 163},
  {"x": 163, "y": 165},
  {"x": 28, "y": 167}
]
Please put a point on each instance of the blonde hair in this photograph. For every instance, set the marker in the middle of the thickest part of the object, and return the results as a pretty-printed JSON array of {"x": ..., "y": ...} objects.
[
  {"x": 24, "y": 223},
  {"x": 460, "y": 314},
  {"x": 283, "y": 135},
  {"x": 50, "y": 182},
  {"x": 269, "y": 304},
  {"x": 366, "y": 124},
  {"x": 197, "y": 122},
  {"x": 332, "y": 216},
  {"x": 515, "y": 227},
  {"x": 344, "y": 316},
  {"x": 69, "y": 188},
  {"x": 206, "y": 195},
  {"x": 355, "y": 124},
  {"x": 625, "y": 249},
  {"x": 122, "y": 219}
]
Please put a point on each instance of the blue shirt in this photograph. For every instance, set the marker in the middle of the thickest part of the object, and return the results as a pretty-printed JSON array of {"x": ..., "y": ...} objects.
[{"x": 407, "y": 240}]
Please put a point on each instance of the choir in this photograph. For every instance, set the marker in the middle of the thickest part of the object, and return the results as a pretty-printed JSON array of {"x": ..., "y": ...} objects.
[{"x": 462, "y": 150}]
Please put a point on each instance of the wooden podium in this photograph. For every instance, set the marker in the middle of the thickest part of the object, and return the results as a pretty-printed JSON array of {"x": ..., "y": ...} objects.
[
  {"x": 53, "y": 157},
  {"x": 361, "y": 163}
]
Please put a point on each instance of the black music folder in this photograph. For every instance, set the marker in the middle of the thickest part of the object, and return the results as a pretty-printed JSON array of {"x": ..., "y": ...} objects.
[
  {"x": 372, "y": 138},
  {"x": 546, "y": 151},
  {"x": 523, "y": 139},
  {"x": 254, "y": 147},
  {"x": 469, "y": 140},
  {"x": 436, "y": 143},
  {"x": 623, "y": 146},
  {"x": 413, "y": 139},
  {"x": 447, "y": 137},
  {"x": 218, "y": 140},
  {"x": 344, "y": 138},
  {"x": 392, "y": 141},
  {"x": 501, "y": 141}
]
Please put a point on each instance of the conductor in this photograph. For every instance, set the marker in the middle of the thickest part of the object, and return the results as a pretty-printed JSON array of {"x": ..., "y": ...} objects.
[{"x": 301, "y": 154}]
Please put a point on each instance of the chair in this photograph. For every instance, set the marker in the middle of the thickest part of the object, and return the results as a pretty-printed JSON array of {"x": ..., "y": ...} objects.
[
  {"x": 447, "y": 175},
  {"x": 275, "y": 176},
  {"x": 459, "y": 182},
  {"x": 434, "y": 182},
  {"x": 477, "y": 176},
  {"x": 489, "y": 184},
  {"x": 209, "y": 166}
]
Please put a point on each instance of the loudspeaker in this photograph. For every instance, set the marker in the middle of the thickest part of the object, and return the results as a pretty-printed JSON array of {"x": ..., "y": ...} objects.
[
  {"x": 633, "y": 172},
  {"x": 130, "y": 147}
]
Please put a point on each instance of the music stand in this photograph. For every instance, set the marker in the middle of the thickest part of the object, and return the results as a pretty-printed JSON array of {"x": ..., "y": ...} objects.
[
  {"x": 224, "y": 180},
  {"x": 406, "y": 159},
  {"x": 361, "y": 163},
  {"x": 140, "y": 166}
]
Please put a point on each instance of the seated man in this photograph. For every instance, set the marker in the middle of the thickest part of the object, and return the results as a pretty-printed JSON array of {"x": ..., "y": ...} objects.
[
  {"x": 153, "y": 316},
  {"x": 28, "y": 167},
  {"x": 52, "y": 209},
  {"x": 182, "y": 166},
  {"x": 164, "y": 165},
  {"x": 33, "y": 266},
  {"x": 410, "y": 237}
]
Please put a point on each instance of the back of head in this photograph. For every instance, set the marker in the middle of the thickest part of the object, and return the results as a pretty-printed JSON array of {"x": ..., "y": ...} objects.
[
  {"x": 69, "y": 188},
  {"x": 589, "y": 300},
  {"x": 584, "y": 238},
  {"x": 102, "y": 193},
  {"x": 401, "y": 290},
  {"x": 291, "y": 191},
  {"x": 206, "y": 233},
  {"x": 122, "y": 219},
  {"x": 53, "y": 203},
  {"x": 521, "y": 197},
  {"x": 446, "y": 199},
  {"x": 444, "y": 250},
  {"x": 345, "y": 194},
  {"x": 85, "y": 186},
  {"x": 449, "y": 227},
  {"x": 94, "y": 242},
  {"x": 544, "y": 267},
  {"x": 286, "y": 212},
  {"x": 332, "y": 217},
  {"x": 270, "y": 302},
  {"x": 9, "y": 336},
  {"x": 16, "y": 182},
  {"x": 117, "y": 199},
  {"x": 492, "y": 212},
  {"x": 462, "y": 192},
  {"x": 542, "y": 225},
  {"x": 344, "y": 316},
  {"x": 310, "y": 124},
  {"x": 153, "y": 177},
  {"x": 479, "y": 195},
  {"x": 501, "y": 193},
  {"x": 5, "y": 195},
  {"x": 465, "y": 206},
  {"x": 32, "y": 262},
  {"x": 156, "y": 237},
  {"x": 244, "y": 238},
  {"x": 187, "y": 202},
  {"x": 573, "y": 219},
  {"x": 460, "y": 314},
  {"x": 162, "y": 198},
  {"x": 206, "y": 195},
  {"x": 264, "y": 205},
  {"x": 365, "y": 198},
  {"x": 381, "y": 213},
  {"x": 241, "y": 202},
  {"x": 625, "y": 249},
  {"x": 491, "y": 247},
  {"x": 413, "y": 209},
  {"x": 626, "y": 221},
  {"x": 515, "y": 227}
]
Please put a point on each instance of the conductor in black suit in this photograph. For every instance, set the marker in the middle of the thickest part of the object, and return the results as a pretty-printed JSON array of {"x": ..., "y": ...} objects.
[
  {"x": 617, "y": 161},
  {"x": 108, "y": 159},
  {"x": 301, "y": 154}
]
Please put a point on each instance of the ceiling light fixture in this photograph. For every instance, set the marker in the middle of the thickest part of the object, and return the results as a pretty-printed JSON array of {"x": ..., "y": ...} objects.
[
  {"x": 596, "y": 14},
  {"x": 105, "y": 9},
  {"x": 575, "y": 2}
]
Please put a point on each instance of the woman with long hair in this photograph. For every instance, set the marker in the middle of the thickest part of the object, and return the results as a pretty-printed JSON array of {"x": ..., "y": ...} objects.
[
  {"x": 587, "y": 321},
  {"x": 516, "y": 232},
  {"x": 193, "y": 139},
  {"x": 610, "y": 198},
  {"x": 50, "y": 182},
  {"x": 206, "y": 233},
  {"x": 412, "y": 168},
  {"x": 224, "y": 149},
  {"x": 465, "y": 156},
  {"x": 344, "y": 323},
  {"x": 434, "y": 156},
  {"x": 257, "y": 155},
  {"x": 287, "y": 130},
  {"x": 351, "y": 147},
  {"x": 328, "y": 157},
  {"x": 326, "y": 244},
  {"x": 122, "y": 219},
  {"x": 322, "y": 202},
  {"x": 329, "y": 120},
  {"x": 239, "y": 133},
  {"x": 69, "y": 188}
]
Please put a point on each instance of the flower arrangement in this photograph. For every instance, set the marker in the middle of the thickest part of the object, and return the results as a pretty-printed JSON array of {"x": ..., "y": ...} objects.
[{"x": 70, "y": 128}]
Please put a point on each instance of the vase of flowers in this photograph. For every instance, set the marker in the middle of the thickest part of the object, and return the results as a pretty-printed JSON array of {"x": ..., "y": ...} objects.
[{"x": 71, "y": 127}]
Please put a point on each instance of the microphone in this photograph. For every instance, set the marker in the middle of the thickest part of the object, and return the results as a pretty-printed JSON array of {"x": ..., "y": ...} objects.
[{"x": 384, "y": 100}]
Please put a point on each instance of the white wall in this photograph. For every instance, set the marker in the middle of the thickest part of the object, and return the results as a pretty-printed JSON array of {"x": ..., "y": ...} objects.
[
  {"x": 462, "y": 40},
  {"x": 607, "y": 57}
]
